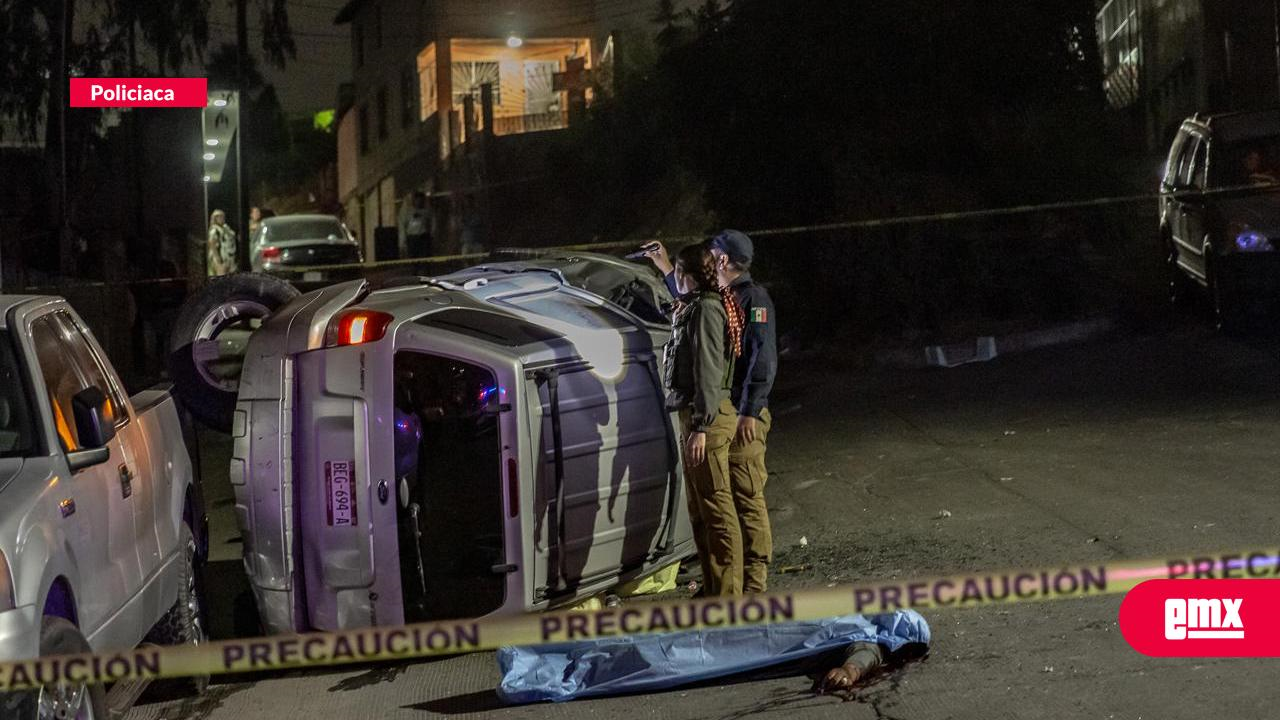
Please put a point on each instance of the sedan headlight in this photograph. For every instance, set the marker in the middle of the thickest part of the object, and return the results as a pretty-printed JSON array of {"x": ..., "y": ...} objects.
[
  {"x": 1246, "y": 239},
  {"x": 1253, "y": 241}
]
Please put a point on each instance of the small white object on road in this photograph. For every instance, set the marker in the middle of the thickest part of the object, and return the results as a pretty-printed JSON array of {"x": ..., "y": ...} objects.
[
  {"x": 944, "y": 514},
  {"x": 804, "y": 541}
]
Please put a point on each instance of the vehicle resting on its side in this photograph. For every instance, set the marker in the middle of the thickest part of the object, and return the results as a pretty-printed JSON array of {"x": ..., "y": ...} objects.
[
  {"x": 491, "y": 441},
  {"x": 101, "y": 521},
  {"x": 1220, "y": 209},
  {"x": 285, "y": 243}
]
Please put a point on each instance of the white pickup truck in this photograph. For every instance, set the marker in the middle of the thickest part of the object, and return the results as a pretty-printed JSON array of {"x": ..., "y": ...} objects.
[{"x": 99, "y": 508}]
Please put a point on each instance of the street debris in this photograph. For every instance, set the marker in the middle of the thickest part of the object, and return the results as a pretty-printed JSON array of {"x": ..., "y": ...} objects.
[
  {"x": 804, "y": 541},
  {"x": 944, "y": 514},
  {"x": 785, "y": 569}
]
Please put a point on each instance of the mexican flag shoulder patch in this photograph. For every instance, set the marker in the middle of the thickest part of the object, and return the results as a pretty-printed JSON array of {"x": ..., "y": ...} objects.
[{"x": 759, "y": 315}]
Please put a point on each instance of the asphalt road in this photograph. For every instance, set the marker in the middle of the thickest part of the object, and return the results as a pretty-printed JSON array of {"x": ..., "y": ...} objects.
[{"x": 1130, "y": 446}]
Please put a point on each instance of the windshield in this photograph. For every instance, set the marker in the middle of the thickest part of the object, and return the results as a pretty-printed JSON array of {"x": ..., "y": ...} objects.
[
  {"x": 16, "y": 433},
  {"x": 318, "y": 229},
  {"x": 1247, "y": 162}
]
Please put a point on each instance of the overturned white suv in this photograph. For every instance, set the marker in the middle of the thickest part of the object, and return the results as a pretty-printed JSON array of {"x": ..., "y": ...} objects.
[{"x": 490, "y": 441}]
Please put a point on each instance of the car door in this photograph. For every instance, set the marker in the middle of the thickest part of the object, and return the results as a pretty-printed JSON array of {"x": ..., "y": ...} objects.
[
  {"x": 99, "y": 521},
  {"x": 134, "y": 474},
  {"x": 1187, "y": 204}
]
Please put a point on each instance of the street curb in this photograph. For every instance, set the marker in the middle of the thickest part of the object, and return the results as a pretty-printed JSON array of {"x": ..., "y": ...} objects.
[{"x": 987, "y": 348}]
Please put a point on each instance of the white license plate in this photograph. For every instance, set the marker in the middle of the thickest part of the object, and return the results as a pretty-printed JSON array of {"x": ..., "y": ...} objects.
[
  {"x": 340, "y": 483},
  {"x": 312, "y": 276}
]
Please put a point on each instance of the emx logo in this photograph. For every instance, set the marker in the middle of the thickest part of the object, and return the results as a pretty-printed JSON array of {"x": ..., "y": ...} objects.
[{"x": 1203, "y": 618}]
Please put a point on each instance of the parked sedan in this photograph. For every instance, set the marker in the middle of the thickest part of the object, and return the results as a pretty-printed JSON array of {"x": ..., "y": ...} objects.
[{"x": 289, "y": 244}]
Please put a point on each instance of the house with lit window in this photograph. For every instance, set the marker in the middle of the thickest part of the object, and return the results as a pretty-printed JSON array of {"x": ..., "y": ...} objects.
[
  {"x": 445, "y": 90},
  {"x": 1167, "y": 59}
]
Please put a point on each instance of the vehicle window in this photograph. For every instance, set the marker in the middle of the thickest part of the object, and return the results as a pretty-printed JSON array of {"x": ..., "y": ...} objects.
[
  {"x": 65, "y": 373},
  {"x": 303, "y": 230},
  {"x": 1187, "y": 163},
  {"x": 1246, "y": 162},
  {"x": 91, "y": 366},
  {"x": 17, "y": 434},
  {"x": 1196, "y": 166},
  {"x": 1175, "y": 158}
]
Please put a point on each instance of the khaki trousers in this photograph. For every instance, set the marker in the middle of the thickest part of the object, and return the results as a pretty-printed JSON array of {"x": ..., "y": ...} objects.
[
  {"x": 749, "y": 475},
  {"x": 717, "y": 530}
]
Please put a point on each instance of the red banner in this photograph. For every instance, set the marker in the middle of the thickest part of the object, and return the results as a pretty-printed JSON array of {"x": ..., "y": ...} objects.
[
  {"x": 139, "y": 92},
  {"x": 1203, "y": 618}
]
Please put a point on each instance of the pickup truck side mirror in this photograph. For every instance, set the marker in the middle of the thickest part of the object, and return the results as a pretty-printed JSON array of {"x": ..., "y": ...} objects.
[
  {"x": 94, "y": 425},
  {"x": 94, "y": 429}
]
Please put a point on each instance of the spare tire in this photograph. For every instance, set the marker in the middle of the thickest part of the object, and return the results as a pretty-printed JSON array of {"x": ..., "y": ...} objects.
[{"x": 206, "y": 347}]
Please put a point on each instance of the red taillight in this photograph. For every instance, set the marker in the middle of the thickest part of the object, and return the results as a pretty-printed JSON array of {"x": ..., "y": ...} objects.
[
  {"x": 358, "y": 326},
  {"x": 270, "y": 253},
  {"x": 513, "y": 488}
]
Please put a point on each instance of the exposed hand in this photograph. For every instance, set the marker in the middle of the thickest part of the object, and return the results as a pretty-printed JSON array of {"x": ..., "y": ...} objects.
[
  {"x": 695, "y": 448},
  {"x": 746, "y": 430},
  {"x": 841, "y": 678},
  {"x": 657, "y": 254}
]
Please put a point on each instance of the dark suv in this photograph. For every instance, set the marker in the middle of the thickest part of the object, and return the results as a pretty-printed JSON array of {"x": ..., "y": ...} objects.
[{"x": 1220, "y": 209}]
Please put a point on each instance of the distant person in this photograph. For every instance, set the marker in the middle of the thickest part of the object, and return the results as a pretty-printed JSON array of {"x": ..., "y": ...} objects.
[
  {"x": 255, "y": 220},
  {"x": 1254, "y": 170},
  {"x": 417, "y": 226},
  {"x": 753, "y": 379},
  {"x": 221, "y": 245},
  {"x": 706, "y": 331}
]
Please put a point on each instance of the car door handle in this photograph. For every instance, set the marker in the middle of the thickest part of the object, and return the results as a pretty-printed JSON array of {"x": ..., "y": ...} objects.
[{"x": 126, "y": 481}]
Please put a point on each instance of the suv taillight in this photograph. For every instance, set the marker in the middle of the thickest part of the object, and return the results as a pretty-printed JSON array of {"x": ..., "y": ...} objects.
[
  {"x": 356, "y": 327},
  {"x": 270, "y": 253}
]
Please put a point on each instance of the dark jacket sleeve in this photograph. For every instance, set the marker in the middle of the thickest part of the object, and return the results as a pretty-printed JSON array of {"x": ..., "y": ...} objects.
[
  {"x": 709, "y": 362},
  {"x": 759, "y": 353},
  {"x": 866, "y": 656},
  {"x": 670, "y": 280}
]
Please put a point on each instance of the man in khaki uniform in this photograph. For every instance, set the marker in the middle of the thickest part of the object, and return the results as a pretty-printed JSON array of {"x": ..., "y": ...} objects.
[
  {"x": 753, "y": 377},
  {"x": 752, "y": 381}
]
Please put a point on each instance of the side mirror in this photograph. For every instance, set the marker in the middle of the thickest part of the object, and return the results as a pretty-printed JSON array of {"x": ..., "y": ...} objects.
[{"x": 94, "y": 425}]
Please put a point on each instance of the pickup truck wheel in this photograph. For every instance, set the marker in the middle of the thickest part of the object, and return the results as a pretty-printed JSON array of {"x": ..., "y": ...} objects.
[
  {"x": 206, "y": 348},
  {"x": 67, "y": 701},
  {"x": 184, "y": 623}
]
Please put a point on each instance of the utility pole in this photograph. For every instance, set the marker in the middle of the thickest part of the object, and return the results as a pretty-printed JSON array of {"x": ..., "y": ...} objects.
[
  {"x": 242, "y": 58},
  {"x": 64, "y": 228},
  {"x": 1275, "y": 20}
]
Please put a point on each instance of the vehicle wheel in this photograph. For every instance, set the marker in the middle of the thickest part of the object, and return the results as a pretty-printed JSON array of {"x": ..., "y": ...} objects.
[
  {"x": 1223, "y": 302},
  {"x": 1178, "y": 285},
  {"x": 184, "y": 623},
  {"x": 65, "y": 701},
  {"x": 206, "y": 347}
]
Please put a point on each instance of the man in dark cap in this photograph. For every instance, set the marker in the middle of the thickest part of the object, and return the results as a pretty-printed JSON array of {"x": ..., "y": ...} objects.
[{"x": 753, "y": 376}]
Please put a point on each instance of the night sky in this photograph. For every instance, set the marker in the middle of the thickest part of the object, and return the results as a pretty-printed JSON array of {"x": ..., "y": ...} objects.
[{"x": 309, "y": 82}]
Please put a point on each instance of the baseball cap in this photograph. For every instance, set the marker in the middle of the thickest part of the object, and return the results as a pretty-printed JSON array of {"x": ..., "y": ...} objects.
[{"x": 735, "y": 244}]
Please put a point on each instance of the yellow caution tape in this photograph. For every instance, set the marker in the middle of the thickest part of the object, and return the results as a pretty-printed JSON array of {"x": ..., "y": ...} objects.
[{"x": 462, "y": 636}]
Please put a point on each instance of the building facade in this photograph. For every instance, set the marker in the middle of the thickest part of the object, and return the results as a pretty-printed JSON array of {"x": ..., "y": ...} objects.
[
  {"x": 1167, "y": 59},
  {"x": 442, "y": 86}
]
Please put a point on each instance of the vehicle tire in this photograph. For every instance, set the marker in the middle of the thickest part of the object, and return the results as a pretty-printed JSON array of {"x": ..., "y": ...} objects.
[
  {"x": 206, "y": 347},
  {"x": 58, "y": 702},
  {"x": 1178, "y": 284},
  {"x": 184, "y": 623},
  {"x": 1224, "y": 303}
]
